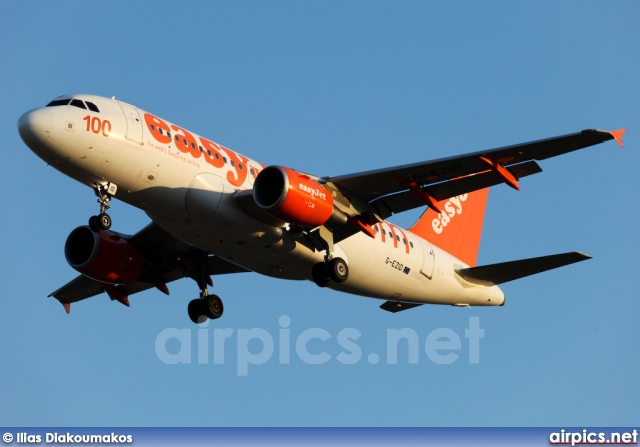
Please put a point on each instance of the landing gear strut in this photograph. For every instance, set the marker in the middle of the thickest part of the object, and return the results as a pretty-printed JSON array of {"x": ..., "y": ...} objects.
[
  {"x": 332, "y": 269},
  {"x": 207, "y": 306},
  {"x": 104, "y": 193}
]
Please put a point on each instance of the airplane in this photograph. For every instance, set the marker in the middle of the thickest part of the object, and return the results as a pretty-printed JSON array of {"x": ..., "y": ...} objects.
[{"x": 214, "y": 211}]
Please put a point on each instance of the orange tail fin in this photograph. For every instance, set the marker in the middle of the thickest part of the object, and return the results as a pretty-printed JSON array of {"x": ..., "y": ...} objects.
[{"x": 458, "y": 228}]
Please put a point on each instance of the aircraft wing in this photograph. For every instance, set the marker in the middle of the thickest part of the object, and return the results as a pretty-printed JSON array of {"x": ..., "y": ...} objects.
[
  {"x": 388, "y": 190},
  {"x": 161, "y": 254}
]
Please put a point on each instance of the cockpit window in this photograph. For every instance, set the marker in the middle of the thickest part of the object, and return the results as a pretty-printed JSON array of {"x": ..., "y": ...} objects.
[
  {"x": 58, "y": 102},
  {"x": 92, "y": 107},
  {"x": 78, "y": 103}
]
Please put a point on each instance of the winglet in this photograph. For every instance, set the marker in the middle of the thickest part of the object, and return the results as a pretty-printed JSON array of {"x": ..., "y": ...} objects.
[
  {"x": 617, "y": 134},
  {"x": 67, "y": 307}
]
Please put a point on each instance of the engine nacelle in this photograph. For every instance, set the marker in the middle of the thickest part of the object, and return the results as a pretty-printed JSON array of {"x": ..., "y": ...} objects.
[
  {"x": 295, "y": 198},
  {"x": 103, "y": 256}
]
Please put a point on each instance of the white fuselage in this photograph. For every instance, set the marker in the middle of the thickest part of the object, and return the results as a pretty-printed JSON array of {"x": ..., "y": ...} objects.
[{"x": 189, "y": 192}]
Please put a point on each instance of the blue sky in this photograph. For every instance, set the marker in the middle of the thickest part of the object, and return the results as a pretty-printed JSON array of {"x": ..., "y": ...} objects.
[{"x": 333, "y": 88}]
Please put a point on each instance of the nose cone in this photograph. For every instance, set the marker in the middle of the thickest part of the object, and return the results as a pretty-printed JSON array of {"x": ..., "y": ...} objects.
[{"x": 35, "y": 126}]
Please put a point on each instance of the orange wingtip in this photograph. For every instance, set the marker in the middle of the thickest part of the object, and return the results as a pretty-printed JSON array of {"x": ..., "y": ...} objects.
[
  {"x": 67, "y": 307},
  {"x": 617, "y": 134}
]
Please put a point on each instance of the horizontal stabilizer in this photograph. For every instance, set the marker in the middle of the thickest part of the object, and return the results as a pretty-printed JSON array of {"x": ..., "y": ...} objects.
[
  {"x": 508, "y": 271},
  {"x": 397, "y": 306}
]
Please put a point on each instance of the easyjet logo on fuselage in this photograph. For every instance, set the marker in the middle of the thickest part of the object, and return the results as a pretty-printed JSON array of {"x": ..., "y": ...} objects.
[
  {"x": 452, "y": 208},
  {"x": 237, "y": 166}
]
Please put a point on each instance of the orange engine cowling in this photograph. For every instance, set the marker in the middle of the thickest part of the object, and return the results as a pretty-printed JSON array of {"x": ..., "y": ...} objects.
[
  {"x": 103, "y": 256},
  {"x": 295, "y": 198}
]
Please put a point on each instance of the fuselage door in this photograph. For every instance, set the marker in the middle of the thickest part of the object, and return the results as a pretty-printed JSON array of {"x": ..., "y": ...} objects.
[
  {"x": 134, "y": 125},
  {"x": 428, "y": 257}
]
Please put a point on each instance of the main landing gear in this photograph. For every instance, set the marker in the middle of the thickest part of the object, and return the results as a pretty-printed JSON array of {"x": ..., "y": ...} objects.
[
  {"x": 207, "y": 306},
  {"x": 332, "y": 269},
  {"x": 335, "y": 270},
  {"x": 104, "y": 193}
]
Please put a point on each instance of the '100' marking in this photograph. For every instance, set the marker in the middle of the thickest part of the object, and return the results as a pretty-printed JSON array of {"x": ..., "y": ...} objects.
[{"x": 96, "y": 125}]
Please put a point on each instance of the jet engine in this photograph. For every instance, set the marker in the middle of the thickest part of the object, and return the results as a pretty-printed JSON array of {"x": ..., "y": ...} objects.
[
  {"x": 103, "y": 256},
  {"x": 295, "y": 198}
]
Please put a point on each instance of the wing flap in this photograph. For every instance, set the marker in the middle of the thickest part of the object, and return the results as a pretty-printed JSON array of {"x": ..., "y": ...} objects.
[
  {"x": 489, "y": 275},
  {"x": 397, "y": 203},
  {"x": 372, "y": 185}
]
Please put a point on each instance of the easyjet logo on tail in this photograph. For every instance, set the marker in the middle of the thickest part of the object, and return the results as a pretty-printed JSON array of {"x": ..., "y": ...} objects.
[{"x": 451, "y": 209}]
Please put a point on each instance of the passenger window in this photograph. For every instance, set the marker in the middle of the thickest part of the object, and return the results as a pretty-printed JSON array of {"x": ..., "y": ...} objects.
[
  {"x": 232, "y": 163},
  {"x": 177, "y": 139},
  {"x": 201, "y": 150},
  {"x": 92, "y": 107},
  {"x": 77, "y": 103},
  {"x": 159, "y": 130},
  {"x": 410, "y": 244},
  {"x": 224, "y": 159},
  {"x": 58, "y": 102},
  {"x": 240, "y": 166}
]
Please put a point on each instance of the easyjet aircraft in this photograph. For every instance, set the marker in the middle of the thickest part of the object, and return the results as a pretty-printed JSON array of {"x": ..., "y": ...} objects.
[{"x": 215, "y": 211}]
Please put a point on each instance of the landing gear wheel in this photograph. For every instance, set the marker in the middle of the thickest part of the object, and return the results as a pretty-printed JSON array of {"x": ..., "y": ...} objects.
[
  {"x": 104, "y": 221},
  {"x": 212, "y": 306},
  {"x": 320, "y": 275},
  {"x": 196, "y": 311},
  {"x": 338, "y": 270},
  {"x": 93, "y": 224}
]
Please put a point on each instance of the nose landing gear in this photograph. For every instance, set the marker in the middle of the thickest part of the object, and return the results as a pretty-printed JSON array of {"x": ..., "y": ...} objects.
[
  {"x": 104, "y": 193},
  {"x": 207, "y": 306}
]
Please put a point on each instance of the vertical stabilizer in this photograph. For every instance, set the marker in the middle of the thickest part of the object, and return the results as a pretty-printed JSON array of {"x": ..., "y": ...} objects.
[{"x": 458, "y": 228}]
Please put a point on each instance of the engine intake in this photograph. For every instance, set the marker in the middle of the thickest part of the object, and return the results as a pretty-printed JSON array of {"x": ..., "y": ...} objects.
[
  {"x": 295, "y": 198},
  {"x": 103, "y": 256}
]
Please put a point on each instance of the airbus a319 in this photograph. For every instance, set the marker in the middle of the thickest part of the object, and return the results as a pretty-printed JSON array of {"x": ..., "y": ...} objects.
[{"x": 214, "y": 211}]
